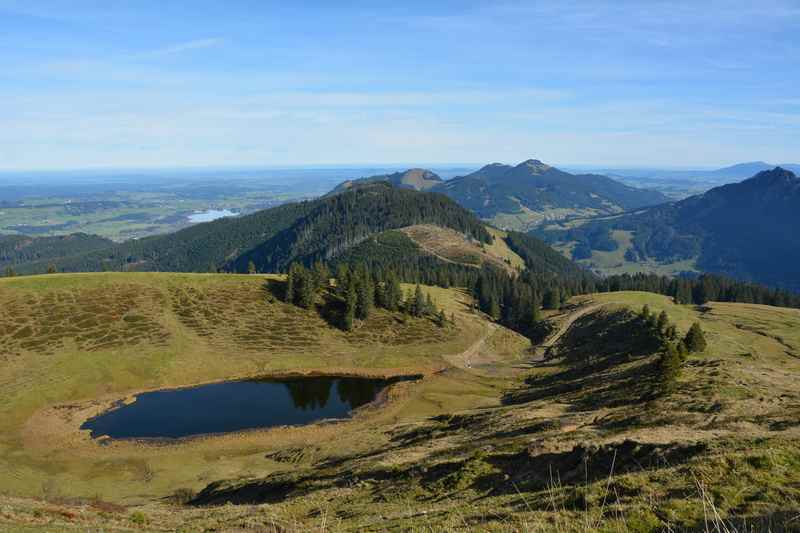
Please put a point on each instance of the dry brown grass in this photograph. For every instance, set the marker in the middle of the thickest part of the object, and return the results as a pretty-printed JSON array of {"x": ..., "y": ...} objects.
[{"x": 453, "y": 247}]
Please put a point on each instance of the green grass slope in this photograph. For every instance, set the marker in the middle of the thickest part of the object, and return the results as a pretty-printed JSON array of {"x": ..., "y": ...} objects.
[
  {"x": 582, "y": 441},
  {"x": 72, "y": 343}
]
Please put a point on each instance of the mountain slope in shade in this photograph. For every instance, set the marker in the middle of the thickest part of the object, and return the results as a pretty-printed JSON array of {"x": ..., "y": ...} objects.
[
  {"x": 20, "y": 249},
  {"x": 417, "y": 179},
  {"x": 746, "y": 230},
  {"x": 533, "y": 187}
]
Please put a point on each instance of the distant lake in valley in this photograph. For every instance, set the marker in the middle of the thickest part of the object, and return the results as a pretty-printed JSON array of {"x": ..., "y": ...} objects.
[
  {"x": 235, "y": 406},
  {"x": 210, "y": 214}
]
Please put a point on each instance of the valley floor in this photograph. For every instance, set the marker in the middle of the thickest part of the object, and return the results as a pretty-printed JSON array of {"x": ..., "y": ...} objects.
[{"x": 572, "y": 436}]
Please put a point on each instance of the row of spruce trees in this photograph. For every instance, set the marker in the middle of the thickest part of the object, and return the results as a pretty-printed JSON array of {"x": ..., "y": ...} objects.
[
  {"x": 516, "y": 301},
  {"x": 360, "y": 290}
]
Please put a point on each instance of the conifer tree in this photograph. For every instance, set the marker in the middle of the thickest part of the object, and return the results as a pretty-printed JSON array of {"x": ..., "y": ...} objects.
[
  {"x": 669, "y": 367},
  {"x": 662, "y": 323},
  {"x": 51, "y": 269},
  {"x": 251, "y": 267},
  {"x": 322, "y": 276},
  {"x": 683, "y": 352},
  {"x": 645, "y": 314},
  {"x": 307, "y": 289},
  {"x": 430, "y": 307},
  {"x": 418, "y": 307},
  {"x": 365, "y": 297},
  {"x": 342, "y": 279},
  {"x": 394, "y": 294},
  {"x": 695, "y": 339},
  {"x": 289, "y": 296}
]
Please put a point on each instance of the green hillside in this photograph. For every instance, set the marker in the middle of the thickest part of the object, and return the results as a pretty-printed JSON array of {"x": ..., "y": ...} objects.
[
  {"x": 494, "y": 437},
  {"x": 745, "y": 230},
  {"x": 273, "y": 238},
  {"x": 72, "y": 339},
  {"x": 17, "y": 250},
  {"x": 523, "y": 196}
]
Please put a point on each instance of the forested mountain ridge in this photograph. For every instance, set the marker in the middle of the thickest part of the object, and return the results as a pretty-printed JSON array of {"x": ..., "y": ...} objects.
[
  {"x": 19, "y": 249},
  {"x": 340, "y": 222},
  {"x": 535, "y": 186},
  {"x": 746, "y": 230},
  {"x": 273, "y": 238},
  {"x": 418, "y": 179}
]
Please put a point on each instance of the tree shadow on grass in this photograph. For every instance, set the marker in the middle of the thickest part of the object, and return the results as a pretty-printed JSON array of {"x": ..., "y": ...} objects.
[
  {"x": 329, "y": 306},
  {"x": 608, "y": 361}
]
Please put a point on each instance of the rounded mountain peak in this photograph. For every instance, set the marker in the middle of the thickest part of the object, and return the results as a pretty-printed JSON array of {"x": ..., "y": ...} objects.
[
  {"x": 535, "y": 166},
  {"x": 775, "y": 176}
]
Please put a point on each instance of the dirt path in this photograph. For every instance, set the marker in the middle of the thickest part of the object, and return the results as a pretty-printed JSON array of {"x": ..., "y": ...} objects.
[
  {"x": 540, "y": 351},
  {"x": 475, "y": 356},
  {"x": 472, "y": 356}
]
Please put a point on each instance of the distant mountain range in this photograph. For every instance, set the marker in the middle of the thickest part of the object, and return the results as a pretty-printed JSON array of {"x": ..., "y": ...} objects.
[
  {"x": 747, "y": 230},
  {"x": 526, "y": 195},
  {"x": 736, "y": 172}
]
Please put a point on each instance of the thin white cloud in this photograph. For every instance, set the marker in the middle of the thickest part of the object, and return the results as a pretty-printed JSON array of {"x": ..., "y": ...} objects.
[{"x": 179, "y": 48}]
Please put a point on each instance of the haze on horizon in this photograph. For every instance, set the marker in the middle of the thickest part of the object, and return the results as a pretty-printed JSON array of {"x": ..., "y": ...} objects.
[{"x": 116, "y": 84}]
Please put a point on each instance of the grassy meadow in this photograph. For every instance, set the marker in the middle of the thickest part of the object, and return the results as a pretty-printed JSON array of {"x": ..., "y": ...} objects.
[
  {"x": 70, "y": 343},
  {"x": 582, "y": 441}
]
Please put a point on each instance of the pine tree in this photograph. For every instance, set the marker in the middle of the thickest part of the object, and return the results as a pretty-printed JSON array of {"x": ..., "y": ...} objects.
[
  {"x": 289, "y": 296},
  {"x": 251, "y": 267},
  {"x": 322, "y": 276},
  {"x": 395, "y": 294},
  {"x": 307, "y": 289},
  {"x": 645, "y": 314},
  {"x": 683, "y": 352},
  {"x": 418, "y": 307},
  {"x": 342, "y": 279},
  {"x": 662, "y": 323},
  {"x": 695, "y": 339},
  {"x": 671, "y": 332},
  {"x": 430, "y": 307},
  {"x": 669, "y": 367},
  {"x": 365, "y": 298},
  {"x": 51, "y": 269}
]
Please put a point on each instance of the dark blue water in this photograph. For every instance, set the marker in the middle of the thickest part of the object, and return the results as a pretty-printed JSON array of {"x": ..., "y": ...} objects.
[{"x": 235, "y": 406}]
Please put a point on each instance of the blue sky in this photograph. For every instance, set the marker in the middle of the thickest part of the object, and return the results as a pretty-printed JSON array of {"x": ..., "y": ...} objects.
[{"x": 163, "y": 84}]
